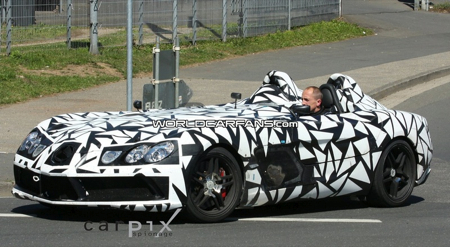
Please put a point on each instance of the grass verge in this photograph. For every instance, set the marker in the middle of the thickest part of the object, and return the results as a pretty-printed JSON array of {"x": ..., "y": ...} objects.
[
  {"x": 441, "y": 7},
  {"x": 36, "y": 71}
]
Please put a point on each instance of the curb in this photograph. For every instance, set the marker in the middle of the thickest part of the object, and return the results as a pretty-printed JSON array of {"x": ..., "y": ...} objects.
[{"x": 382, "y": 92}]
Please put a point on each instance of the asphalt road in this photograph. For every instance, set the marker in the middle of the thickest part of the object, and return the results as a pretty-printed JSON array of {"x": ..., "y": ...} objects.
[{"x": 332, "y": 222}]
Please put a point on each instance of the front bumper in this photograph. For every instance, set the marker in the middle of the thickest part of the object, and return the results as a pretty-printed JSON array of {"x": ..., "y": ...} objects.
[{"x": 138, "y": 192}]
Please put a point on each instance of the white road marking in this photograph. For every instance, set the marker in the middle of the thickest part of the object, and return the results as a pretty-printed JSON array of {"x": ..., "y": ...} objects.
[
  {"x": 16, "y": 215},
  {"x": 313, "y": 220}
]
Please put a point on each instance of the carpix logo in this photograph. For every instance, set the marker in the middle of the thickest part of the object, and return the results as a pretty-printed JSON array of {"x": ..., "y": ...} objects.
[
  {"x": 132, "y": 231},
  {"x": 134, "y": 227}
]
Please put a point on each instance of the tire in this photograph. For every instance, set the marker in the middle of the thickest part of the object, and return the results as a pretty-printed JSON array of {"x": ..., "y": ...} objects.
[
  {"x": 215, "y": 187},
  {"x": 394, "y": 177}
]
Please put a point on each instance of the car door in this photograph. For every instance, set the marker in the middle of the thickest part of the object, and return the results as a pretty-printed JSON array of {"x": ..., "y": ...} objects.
[{"x": 334, "y": 152}]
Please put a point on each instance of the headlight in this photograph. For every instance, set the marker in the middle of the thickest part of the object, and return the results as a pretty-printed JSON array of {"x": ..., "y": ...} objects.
[
  {"x": 136, "y": 154},
  {"x": 38, "y": 150},
  {"x": 159, "y": 152},
  {"x": 140, "y": 155},
  {"x": 29, "y": 141},
  {"x": 32, "y": 144},
  {"x": 150, "y": 154},
  {"x": 109, "y": 156}
]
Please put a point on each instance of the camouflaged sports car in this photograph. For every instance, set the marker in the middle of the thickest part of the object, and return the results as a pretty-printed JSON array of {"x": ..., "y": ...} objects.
[{"x": 209, "y": 160}]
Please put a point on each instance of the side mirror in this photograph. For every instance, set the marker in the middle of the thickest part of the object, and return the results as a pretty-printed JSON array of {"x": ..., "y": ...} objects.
[
  {"x": 301, "y": 110},
  {"x": 137, "y": 104},
  {"x": 236, "y": 96}
]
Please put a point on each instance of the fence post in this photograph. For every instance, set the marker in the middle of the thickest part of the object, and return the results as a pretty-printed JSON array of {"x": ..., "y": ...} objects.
[
  {"x": 224, "y": 21},
  {"x": 3, "y": 13},
  {"x": 141, "y": 22},
  {"x": 156, "y": 51},
  {"x": 1, "y": 22},
  {"x": 129, "y": 53},
  {"x": 289, "y": 14},
  {"x": 416, "y": 5},
  {"x": 94, "y": 27},
  {"x": 175, "y": 20},
  {"x": 194, "y": 22},
  {"x": 245, "y": 7},
  {"x": 8, "y": 26},
  {"x": 69, "y": 24},
  {"x": 176, "y": 80}
]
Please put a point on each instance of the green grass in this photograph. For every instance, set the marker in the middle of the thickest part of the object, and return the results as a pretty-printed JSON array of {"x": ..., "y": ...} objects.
[
  {"x": 25, "y": 35},
  {"x": 23, "y": 74},
  {"x": 39, "y": 31},
  {"x": 442, "y": 7}
]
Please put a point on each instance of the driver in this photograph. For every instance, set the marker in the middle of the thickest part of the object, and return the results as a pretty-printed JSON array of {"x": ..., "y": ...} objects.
[{"x": 312, "y": 96}]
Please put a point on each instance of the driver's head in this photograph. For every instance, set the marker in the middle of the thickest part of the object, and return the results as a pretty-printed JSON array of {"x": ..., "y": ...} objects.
[{"x": 312, "y": 96}]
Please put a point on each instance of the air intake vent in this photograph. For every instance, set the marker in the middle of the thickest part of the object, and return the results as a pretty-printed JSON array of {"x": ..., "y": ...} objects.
[{"x": 63, "y": 155}]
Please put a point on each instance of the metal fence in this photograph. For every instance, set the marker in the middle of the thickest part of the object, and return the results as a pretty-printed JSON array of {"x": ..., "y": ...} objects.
[{"x": 74, "y": 23}]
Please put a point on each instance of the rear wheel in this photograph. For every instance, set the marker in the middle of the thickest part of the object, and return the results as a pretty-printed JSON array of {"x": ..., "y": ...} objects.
[
  {"x": 394, "y": 176},
  {"x": 215, "y": 186}
]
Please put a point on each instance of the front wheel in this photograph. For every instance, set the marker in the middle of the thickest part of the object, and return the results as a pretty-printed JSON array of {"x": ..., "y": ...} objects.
[
  {"x": 394, "y": 176},
  {"x": 215, "y": 186}
]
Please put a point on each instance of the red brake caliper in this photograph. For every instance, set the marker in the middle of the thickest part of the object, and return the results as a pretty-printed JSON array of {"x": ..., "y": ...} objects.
[{"x": 223, "y": 191}]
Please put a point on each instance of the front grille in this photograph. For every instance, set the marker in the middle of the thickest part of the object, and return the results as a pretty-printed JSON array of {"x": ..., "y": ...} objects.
[
  {"x": 137, "y": 188},
  {"x": 53, "y": 188}
]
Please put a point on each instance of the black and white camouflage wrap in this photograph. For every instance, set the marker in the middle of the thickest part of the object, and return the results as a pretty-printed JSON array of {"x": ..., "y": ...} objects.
[{"x": 313, "y": 157}]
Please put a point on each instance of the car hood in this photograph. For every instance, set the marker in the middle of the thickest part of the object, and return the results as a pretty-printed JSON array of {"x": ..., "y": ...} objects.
[{"x": 126, "y": 126}]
